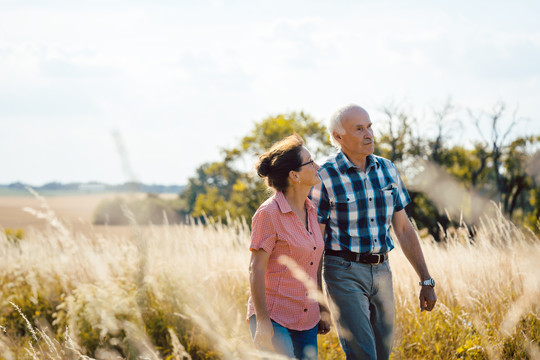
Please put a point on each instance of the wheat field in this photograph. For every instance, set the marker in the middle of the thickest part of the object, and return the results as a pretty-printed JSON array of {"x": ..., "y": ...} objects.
[{"x": 180, "y": 292}]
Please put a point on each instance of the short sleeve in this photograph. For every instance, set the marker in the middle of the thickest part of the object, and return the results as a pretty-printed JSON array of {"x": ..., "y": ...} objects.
[
  {"x": 319, "y": 196},
  {"x": 263, "y": 234},
  {"x": 403, "y": 198}
]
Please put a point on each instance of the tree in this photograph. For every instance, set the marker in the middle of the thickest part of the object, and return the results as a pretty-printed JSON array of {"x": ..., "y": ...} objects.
[
  {"x": 496, "y": 167},
  {"x": 274, "y": 128},
  {"x": 515, "y": 178},
  {"x": 247, "y": 196},
  {"x": 231, "y": 186},
  {"x": 395, "y": 140},
  {"x": 445, "y": 126},
  {"x": 210, "y": 203},
  {"x": 219, "y": 175},
  {"x": 496, "y": 142}
]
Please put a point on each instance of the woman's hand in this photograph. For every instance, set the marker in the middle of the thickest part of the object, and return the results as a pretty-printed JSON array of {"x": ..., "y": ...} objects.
[
  {"x": 325, "y": 323},
  {"x": 257, "y": 269},
  {"x": 264, "y": 334}
]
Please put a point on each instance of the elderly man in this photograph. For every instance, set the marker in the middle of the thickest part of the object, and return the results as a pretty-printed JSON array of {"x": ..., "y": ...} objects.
[{"x": 360, "y": 196}]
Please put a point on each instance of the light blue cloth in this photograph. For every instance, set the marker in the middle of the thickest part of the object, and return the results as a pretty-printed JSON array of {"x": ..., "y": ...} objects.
[{"x": 292, "y": 343}]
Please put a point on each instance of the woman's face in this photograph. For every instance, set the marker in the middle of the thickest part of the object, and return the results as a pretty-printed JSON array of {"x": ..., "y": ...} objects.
[{"x": 308, "y": 172}]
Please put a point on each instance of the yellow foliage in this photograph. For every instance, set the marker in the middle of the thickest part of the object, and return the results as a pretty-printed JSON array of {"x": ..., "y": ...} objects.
[{"x": 14, "y": 235}]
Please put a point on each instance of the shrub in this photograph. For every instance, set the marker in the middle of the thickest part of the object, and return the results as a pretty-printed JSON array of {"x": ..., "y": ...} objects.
[{"x": 150, "y": 210}]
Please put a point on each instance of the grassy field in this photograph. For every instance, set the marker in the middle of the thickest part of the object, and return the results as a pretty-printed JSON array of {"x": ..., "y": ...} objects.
[{"x": 70, "y": 291}]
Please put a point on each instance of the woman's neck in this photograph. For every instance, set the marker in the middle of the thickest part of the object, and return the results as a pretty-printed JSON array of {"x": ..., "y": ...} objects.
[{"x": 296, "y": 197}]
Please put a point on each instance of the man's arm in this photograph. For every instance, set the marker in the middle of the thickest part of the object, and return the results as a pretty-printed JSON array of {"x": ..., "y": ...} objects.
[{"x": 410, "y": 244}]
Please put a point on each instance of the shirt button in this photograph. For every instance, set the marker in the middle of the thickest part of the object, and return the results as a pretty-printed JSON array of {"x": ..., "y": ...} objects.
[
  {"x": 372, "y": 219},
  {"x": 370, "y": 199},
  {"x": 314, "y": 248},
  {"x": 310, "y": 233},
  {"x": 311, "y": 263},
  {"x": 305, "y": 310}
]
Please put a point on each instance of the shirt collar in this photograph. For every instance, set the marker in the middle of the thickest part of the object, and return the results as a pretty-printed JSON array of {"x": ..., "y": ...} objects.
[
  {"x": 284, "y": 206},
  {"x": 282, "y": 202},
  {"x": 344, "y": 164}
]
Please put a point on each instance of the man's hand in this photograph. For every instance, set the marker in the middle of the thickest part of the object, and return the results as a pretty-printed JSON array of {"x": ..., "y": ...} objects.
[
  {"x": 264, "y": 334},
  {"x": 427, "y": 298},
  {"x": 325, "y": 323}
]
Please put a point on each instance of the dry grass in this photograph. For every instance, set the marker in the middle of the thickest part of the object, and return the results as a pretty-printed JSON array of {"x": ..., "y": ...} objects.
[{"x": 169, "y": 291}]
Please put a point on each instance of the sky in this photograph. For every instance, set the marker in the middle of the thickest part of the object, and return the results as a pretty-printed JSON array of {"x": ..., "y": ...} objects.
[{"x": 177, "y": 81}]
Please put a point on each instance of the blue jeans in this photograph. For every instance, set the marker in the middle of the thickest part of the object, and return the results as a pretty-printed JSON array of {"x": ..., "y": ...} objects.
[
  {"x": 292, "y": 343},
  {"x": 364, "y": 296}
]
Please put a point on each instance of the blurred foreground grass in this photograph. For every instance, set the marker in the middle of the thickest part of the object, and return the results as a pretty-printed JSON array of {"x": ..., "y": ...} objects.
[{"x": 180, "y": 292}]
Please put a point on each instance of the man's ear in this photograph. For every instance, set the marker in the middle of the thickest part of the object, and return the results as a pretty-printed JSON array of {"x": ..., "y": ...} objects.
[{"x": 336, "y": 135}]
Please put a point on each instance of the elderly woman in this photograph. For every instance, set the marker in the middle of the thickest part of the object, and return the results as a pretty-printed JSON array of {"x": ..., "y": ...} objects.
[{"x": 281, "y": 313}]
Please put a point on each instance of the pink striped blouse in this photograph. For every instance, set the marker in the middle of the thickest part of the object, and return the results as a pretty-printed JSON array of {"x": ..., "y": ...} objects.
[{"x": 278, "y": 230}]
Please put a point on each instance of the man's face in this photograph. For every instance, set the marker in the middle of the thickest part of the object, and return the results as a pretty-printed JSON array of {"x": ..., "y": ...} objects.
[{"x": 358, "y": 138}]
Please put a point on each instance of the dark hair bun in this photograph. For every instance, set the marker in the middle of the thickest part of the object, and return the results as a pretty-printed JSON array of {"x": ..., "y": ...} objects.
[
  {"x": 276, "y": 163},
  {"x": 263, "y": 168}
]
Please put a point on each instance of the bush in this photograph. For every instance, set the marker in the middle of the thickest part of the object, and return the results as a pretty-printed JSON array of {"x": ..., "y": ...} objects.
[{"x": 150, "y": 210}]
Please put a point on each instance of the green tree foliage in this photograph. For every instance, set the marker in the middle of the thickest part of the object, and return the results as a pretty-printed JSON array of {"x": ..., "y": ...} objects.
[
  {"x": 218, "y": 175},
  {"x": 275, "y": 128},
  {"x": 210, "y": 203},
  {"x": 230, "y": 187}
]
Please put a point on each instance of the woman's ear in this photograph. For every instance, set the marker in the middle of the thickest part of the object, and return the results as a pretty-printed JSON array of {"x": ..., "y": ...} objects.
[{"x": 293, "y": 175}]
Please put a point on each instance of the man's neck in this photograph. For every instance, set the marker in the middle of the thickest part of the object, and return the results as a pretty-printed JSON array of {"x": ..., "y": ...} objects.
[{"x": 359, "y": 161}]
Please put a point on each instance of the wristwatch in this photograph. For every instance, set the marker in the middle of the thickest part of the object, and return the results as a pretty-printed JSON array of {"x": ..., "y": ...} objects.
[{"x": 428, "y": 282}]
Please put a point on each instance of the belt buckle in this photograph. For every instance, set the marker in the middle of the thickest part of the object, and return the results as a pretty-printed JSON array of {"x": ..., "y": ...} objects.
[
  {"x": 357, "y": 257},
  {"x": 378, "y": 259}
]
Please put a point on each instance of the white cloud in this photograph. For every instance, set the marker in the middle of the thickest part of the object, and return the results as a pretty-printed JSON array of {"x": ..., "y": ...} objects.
[{"x": 181, "y": 80}]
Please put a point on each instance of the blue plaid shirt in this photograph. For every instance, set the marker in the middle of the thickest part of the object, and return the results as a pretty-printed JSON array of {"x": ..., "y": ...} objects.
[{"x": 357, "y": 206}]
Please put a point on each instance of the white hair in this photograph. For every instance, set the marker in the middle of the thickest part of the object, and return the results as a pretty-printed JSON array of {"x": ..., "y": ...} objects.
[{"x": 335, "y": 123}]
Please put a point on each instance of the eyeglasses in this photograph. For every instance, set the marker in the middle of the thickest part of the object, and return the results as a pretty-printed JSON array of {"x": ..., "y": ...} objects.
[{"x": 307, "y": 163}]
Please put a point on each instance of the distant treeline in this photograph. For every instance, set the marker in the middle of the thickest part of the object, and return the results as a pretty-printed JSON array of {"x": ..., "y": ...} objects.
[{"x": 89, "y": 187}]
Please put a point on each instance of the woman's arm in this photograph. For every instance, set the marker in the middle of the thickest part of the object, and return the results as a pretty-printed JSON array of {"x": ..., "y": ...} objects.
[
  {"x": 257, "y": 270},
  {"x": 326, "y": 323}
]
